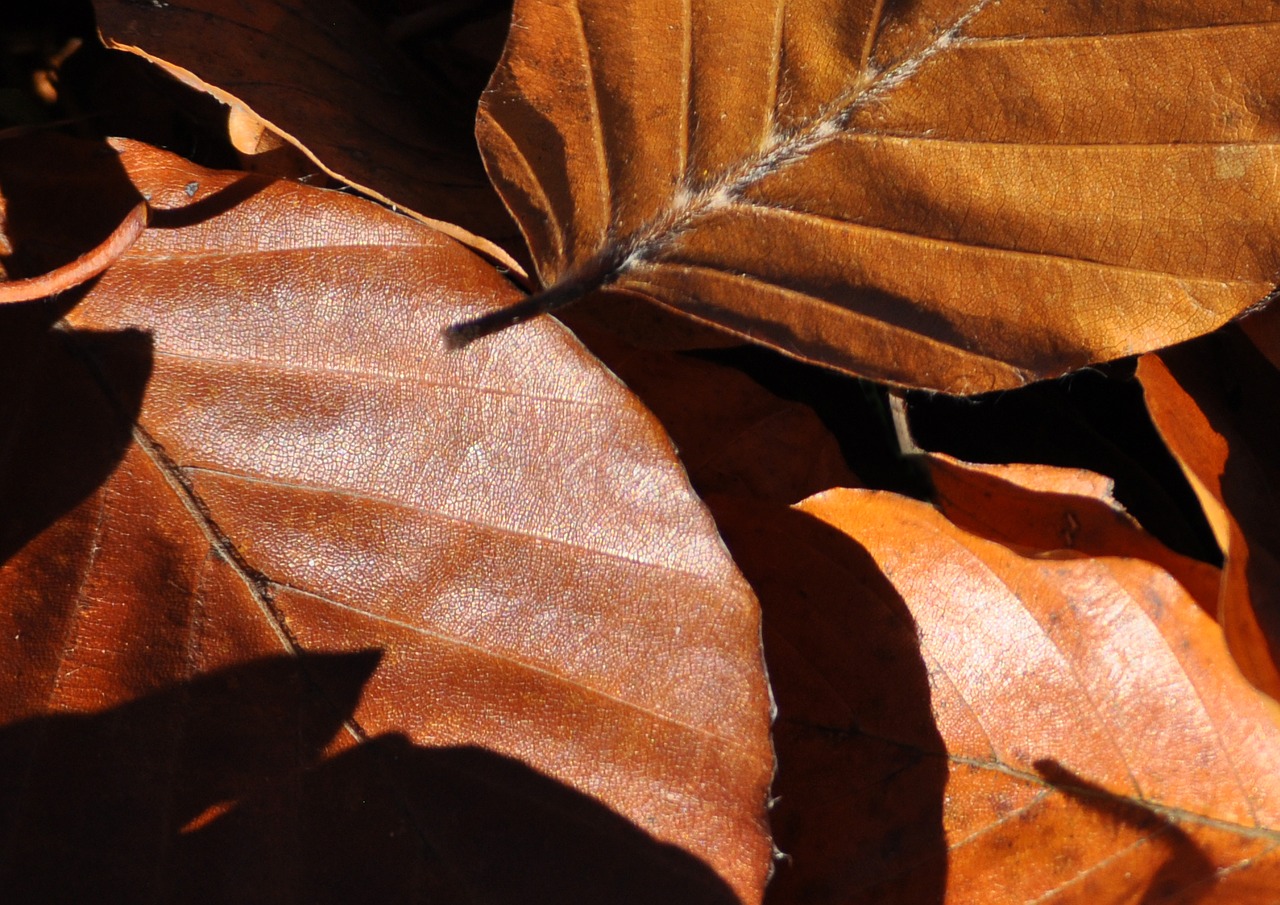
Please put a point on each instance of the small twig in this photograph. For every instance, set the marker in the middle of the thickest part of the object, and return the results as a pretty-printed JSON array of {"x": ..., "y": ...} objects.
[
  {"x": 83, "y": 268},
  {"x": 907, "y": 445}
]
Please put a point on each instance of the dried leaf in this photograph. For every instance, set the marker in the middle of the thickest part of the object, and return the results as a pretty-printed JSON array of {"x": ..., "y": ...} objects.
[
  {"x": 320, "y": 75},
  {"x": 961, "y": 723},
  {"x": 734, "y": 436},
  {"x": 1214, "y": 402},
  {"x": 83, "y": 268},
  {"x": 951, "y": 194},
  {"x": 570, "y": 704},
  {"x": 1045, "y": 509}
]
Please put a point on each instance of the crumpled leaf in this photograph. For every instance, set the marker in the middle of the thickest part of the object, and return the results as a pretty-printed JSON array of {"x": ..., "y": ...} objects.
[
  {"x": 954, "y": 195},
  {"x": 962, "y": 723},
  {"x": 563, "y": 641},
  {"x": 1214, "y": 402},
  {"x": 319, "y": 74}
]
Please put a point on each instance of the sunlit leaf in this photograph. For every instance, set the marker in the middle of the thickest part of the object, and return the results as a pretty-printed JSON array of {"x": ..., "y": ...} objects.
[
  {"x": 951, "y": 194},
  {"x": 553, "y": 619}
]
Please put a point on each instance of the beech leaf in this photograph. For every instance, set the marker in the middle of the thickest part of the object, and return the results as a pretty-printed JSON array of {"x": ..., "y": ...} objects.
[
  {"x": 320, "y": 74},
  {"x": 1047, "y": 509},
  {"x": 558, "y": 633},
  {"x": 955, "y": 195},
  {"x": 960, "y": 722},
  {"x": 1214, "y": 402}
]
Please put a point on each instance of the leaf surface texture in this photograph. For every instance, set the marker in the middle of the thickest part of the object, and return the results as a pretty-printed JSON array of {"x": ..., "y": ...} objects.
[
  {"x": 951, "y": 195},
  {"x": 552, "y": 612}
]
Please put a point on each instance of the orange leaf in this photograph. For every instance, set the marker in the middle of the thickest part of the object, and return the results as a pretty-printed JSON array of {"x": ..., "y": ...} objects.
[
  {"x": 570, "y": 697},
  {"x": 961, "y": 723},
  {"x": 955, "y": 195},
  {"x": 1045, "y": 509},
  {"x": 1214, "y": 402}
]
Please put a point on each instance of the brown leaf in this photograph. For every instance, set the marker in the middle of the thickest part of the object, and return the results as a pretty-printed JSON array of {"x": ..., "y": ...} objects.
[
  {"x": 320, "y": 75},
  {"x": 951, "y": 194},
  {"x": 961, "y": 723},
  {"x": 1214, "y": 402},
  {"x": 734, "y": 436},
  {"x": 83, "y": 268},
  {"x": 1045, "y": 509},
  {"x": 570, "y": 704}
]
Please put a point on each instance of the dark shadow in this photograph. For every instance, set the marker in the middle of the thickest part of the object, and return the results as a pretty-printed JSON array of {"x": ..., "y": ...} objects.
[
  {"x": 219, "y": 790},
  {"x": 1186, "y": 873},
  {"x": 68, "y": 398},
  {"x": 1092, "y": 420},
  {"x": 61, "y": 434},
  {"x": 62, "y": 197},
  {"x": 855, "y": 411},
  {"x": 862, "y": 768}
]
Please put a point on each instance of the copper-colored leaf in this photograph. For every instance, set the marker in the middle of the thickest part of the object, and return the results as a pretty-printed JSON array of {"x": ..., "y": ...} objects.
[
  {"x": 319, "y": 74},
  {"x": 950, "y": 194},
  {"x": 1214, "y": 402},
  {"x": 570, "y": 704},
  {"x": 734, "y": 436},
  {"x": 961, "y": 723},
  {"x": 1045, "y": 509}
]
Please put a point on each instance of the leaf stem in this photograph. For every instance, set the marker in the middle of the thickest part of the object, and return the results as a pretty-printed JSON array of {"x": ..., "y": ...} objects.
[{"x": 597, "y": 273}]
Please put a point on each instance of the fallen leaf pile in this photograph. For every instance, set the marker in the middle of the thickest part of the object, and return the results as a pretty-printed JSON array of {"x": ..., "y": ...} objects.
[{"x": 301, "y": 604}]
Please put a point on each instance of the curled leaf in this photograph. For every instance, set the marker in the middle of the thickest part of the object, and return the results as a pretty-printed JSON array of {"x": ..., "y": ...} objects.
[
  {"x": 83, "y": 268},
  {"x": 1214, "y": 402}
]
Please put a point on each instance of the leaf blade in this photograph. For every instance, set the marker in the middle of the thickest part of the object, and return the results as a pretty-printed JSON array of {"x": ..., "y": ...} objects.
[
  {"x": 311, "y": 470},
  {"x": 902, "y": 178}
]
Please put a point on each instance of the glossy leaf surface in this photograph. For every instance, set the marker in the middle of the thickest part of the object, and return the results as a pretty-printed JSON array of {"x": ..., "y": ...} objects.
[
  {"x": 544, "y": 667},
  {"x": 951, "y": 194}
]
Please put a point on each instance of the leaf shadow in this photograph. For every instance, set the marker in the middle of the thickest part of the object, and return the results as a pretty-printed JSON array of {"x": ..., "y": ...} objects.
[
  {"x": 61, "y": 435},
  {"x": 862, "y": 768},
  {"x": 1186, "y": 873},
  {"x": 227, "y": 788},
  {"x": 68, "y": 397}
]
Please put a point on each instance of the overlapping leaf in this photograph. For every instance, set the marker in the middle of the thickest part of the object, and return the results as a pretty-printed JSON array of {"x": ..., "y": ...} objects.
[
  {"x": 1044, "y": 509},
  {"x": 552, "y": 609},
  {"x": 960, "y": 722},
  {"x": 321, "y": 75},
  {"x": 952, "y": 194},
  {"x": 1214, "y": 402}
]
